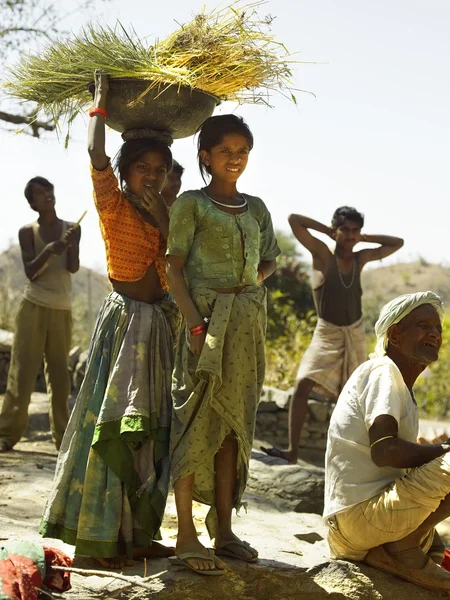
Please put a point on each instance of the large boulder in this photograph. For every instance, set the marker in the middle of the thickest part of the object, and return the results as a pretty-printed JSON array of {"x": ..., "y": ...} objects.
[
  {"x": 295, "y": 487},
  {"x": 79, "y": 371},
  {"x": 267, "y": 580}
]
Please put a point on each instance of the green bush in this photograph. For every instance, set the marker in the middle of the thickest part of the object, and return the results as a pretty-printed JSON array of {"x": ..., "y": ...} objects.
[
  {"x": 432, "y": 390},
  {"x": 283, "y": 353},
  {"x": 290, "y": 316}
]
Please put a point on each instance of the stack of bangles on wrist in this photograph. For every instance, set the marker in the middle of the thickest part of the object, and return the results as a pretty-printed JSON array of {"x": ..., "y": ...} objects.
[
  {"x": 198, "y": 330},
  {"x": 98, "y": 111}
]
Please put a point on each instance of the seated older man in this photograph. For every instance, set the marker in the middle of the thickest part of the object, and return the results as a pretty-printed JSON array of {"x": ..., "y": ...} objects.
[{"x": 384, "y": 493}]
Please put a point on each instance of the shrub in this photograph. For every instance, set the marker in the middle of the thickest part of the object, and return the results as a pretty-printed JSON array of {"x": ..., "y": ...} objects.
[{"x": 432, "y": 390}]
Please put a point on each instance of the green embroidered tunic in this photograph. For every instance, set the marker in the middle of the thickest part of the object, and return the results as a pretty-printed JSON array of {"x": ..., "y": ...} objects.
[
  {"x": 217, "y": 393},
  {"x": 220, "y": 250}
]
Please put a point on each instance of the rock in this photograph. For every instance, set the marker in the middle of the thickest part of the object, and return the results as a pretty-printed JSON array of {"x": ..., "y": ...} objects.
[
  {"x": 6, "y": 340},
  {"x": 318, "y": 428},
  {"x": 340, "y": 580},
  {"x": 316, "y": 444},
  {"x": 311, "y": 537},
  {"x": 281, "y": 398},
  {"x": 74, "y": 356},
  {"x": 290, "y": 566},
  {"x": 295, "y": 487},
  {"x": 78, "y": 374},
  {"x": 318, "y": 410},
  {"x": 266, "y": 404},
  {"x": 320, "y": 394},
  {"x": 286, "y": 576}
]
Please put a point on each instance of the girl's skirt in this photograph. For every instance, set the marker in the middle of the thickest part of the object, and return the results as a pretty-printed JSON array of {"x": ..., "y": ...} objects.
[{"x": 112, "y": 474}]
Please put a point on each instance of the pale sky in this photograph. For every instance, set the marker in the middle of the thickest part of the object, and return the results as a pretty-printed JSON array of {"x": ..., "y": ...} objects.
[{"x": 376, "y": 136}]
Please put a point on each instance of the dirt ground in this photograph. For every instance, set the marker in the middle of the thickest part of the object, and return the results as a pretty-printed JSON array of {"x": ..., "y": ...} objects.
[{"x": 26, "y": 475}]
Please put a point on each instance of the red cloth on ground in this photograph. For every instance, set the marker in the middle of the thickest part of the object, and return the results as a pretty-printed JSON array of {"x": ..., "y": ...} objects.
[
  {"x": 20, "y": 577},
  {"x": 59, "y": 581},
  {"x": 446, "y": 562},
  {"x": 22, "y": 570}
]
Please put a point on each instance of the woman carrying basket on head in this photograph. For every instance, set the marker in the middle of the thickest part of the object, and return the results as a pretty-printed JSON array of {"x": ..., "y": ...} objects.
[
  {"x": 112, "y": 475},
  {"x": 220, "y": 246}
]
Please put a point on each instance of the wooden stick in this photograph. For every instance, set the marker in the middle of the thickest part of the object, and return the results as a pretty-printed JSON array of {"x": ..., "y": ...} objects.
[
  {"x": 44, "y": 593},
  {"x": 127, "y": 579},
  {"x": 45, "y": 265},
  {"x": 80, "y": 219}
]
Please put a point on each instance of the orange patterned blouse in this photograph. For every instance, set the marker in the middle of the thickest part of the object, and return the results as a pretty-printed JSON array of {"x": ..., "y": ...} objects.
[{"x": 132, "y": 244}]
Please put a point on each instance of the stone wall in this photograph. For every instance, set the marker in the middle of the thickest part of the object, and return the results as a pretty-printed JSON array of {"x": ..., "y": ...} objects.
[{"x": 273, "y": 414}]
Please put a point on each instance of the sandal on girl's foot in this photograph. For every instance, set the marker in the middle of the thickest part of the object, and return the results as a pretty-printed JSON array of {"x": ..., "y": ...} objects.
[
  {"x": 431, "y": 576},
  {"x": 207, "y": 554},
  {"x": 226, "y": 549}
]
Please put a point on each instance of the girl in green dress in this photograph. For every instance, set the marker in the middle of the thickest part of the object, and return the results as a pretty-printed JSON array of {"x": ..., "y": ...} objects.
[{"x": 221, "y": 246}]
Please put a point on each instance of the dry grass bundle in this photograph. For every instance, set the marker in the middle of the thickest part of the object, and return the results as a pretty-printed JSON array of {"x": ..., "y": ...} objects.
[{"x": 228, "y": 52}]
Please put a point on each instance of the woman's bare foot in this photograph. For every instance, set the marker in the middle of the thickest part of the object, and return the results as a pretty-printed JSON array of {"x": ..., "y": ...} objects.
[
  {"x": 156, "y": 550},
  {"x": 117, "y": 562},
  {"x": 289, "y": 455},
  {"x": 236, "y": 548},
  {"x": 198, "y": 564}
]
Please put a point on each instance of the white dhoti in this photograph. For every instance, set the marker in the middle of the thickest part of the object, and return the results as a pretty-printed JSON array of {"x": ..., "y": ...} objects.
[{"x": 334, "y": 353}]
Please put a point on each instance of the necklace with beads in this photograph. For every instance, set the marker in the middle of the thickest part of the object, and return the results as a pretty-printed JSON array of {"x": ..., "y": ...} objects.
[
  {"x": 243, "y": 205},
  {"x": 347, "y": 287}
]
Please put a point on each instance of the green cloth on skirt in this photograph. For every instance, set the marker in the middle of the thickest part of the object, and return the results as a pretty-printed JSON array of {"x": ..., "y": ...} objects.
[
  {"x": 218, "y": 392},
  {"x": 113, "y": 471}
]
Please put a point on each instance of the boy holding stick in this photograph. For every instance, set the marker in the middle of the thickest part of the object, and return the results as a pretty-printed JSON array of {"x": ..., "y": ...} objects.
[{"x": 50, "y": 248}]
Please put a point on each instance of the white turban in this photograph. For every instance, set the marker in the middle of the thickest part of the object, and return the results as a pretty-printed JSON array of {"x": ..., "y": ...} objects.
[{"x": 395, "y": 310}]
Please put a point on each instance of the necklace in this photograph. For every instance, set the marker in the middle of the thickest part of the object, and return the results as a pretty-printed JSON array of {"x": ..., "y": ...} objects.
[
  {"x": 243, "y": 205},
  {"x": 347, "y": 287}
]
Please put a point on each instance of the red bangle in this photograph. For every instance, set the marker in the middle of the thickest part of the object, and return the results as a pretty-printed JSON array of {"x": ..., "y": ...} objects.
[
  {"x": 98, "y": 111},
  {"x": 197, "y": 330}
]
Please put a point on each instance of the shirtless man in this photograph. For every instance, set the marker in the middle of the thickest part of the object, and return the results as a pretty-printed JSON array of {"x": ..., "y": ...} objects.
[{"x": 338, "y": 344}]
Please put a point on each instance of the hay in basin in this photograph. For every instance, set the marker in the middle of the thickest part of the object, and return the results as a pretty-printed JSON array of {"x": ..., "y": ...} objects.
[{"x": 228, "y": 54}]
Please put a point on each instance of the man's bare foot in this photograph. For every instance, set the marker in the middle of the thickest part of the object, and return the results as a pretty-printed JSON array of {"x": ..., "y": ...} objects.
[
  {"x": 198, "y": 564},
  {"x": 289, "y": 455},
  {"x": 156, "y": 550},
  {"x": 413, "y": 558},
  {"x": 234, "y": 547},
  {"x": 117, "y": 562}
]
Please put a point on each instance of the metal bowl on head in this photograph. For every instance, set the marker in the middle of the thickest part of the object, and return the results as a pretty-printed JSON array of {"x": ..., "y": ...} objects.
[{"x": 179, "y": 110}]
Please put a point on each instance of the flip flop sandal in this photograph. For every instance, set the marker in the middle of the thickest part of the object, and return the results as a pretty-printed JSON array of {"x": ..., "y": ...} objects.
[
  {"x": 226, "y": 550},
  {"x": 180, "y": 560}
]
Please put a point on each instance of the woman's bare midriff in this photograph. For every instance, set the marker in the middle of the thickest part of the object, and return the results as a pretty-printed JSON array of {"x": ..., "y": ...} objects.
[{"x": 148, "y": 289}]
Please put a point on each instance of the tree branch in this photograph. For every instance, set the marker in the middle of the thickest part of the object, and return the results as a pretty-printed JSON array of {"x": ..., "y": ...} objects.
[
  {"x": 29, "y": 120},
  {"x": 9, "y": 30}
]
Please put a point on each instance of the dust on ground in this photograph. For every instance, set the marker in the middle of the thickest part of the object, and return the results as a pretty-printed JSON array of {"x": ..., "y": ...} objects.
[{"x": 26, "y": 476}]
